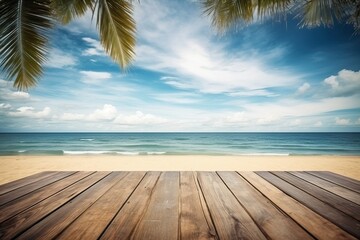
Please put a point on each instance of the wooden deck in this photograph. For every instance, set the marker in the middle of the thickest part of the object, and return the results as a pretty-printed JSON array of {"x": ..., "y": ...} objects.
[{"x": 181, "y": 205}]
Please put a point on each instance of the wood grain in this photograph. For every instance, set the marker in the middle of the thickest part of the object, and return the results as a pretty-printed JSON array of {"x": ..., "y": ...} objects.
[
  {"x": 126, "y": 220},
  {"x": 7, "y": 187},
  {"x": 161, "y": 219},
  {"x": 346, "y": 182},
  {"x": 194, "y": 220},
  {"x": 101, "y": 213},
  {"x": 26, "y": 219},
  {"x": 297, "y": 211},
  {"x": 334, "y": 215},
  {"x": 230, "y": 218},
  {"x": 20, "y": 204},
  {"x": 264, "y": 213},
  {"x": 10, "y": 196}
]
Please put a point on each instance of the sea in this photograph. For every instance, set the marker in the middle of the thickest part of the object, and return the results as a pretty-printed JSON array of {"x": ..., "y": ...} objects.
[{"x": 180, "y": 144}]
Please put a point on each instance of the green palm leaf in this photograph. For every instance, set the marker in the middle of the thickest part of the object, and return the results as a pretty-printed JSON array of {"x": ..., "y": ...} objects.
[
  {"x": 272, "y": 7},
  {"x": 226, "y": 13},
  {"x": 24, "y": 26},
  {"x": 67, "y": 10},
  {"x": 117, "y": 29}
]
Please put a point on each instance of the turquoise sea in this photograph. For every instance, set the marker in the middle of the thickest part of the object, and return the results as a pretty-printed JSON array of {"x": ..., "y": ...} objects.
[{"x": 180, "y": 143}]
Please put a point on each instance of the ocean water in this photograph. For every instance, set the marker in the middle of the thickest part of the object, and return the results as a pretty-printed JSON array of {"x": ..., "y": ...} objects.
[{"x": 180, "y": 143}]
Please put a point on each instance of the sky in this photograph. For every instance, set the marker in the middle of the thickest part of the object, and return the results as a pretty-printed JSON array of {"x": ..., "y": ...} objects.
[{"x": 269, "y": 76}]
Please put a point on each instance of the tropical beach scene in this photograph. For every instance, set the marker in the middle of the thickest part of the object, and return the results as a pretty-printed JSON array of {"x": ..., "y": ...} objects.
[{"x": 208, "y": 119}]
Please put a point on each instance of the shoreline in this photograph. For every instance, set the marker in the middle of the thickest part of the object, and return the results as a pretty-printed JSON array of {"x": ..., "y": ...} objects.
[{"x": 15, "y": 167}]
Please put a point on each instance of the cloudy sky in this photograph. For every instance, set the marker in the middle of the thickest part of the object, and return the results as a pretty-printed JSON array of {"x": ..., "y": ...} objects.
[{"x": 269, "y": 76}]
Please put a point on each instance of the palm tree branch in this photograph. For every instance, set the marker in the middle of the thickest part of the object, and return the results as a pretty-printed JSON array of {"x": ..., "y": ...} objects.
[
  {"x": 24, "y": 39},
  {"x": 67, "y": 10},
  {"x": 117, "y": 29}
]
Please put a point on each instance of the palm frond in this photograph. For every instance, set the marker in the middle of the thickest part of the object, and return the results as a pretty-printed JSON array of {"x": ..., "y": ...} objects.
[
  {"x": 67, "y": 10},
  {"x": 24, "y": 37},
  {"x": 354, "y": 18},
  {"x": 225, "y": 13},
  {"x": 117, "y": 29},
  {"x": 272, "y": 7},
  {"x": 315, "y": 13}
]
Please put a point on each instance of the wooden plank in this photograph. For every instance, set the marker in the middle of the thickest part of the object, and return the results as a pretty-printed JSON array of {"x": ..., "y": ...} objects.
[
  {"x": 20, "y": 204},
  {"x": 333, "y": 200},
  {"x": 297, "y": 211},
  {"x": 99, "y": 215},
  {"x": 334, "y": 215},
  {"x": 230, "y": 218},
  {"x": 128, "y": 217},
  {"x": 333, "y": 188},
  {"x": 24, "y": 220},
  {"x": 7, "y": 187},
  {"x": 54, "y": 224},
  {"x": 10, "y": 196},
  {"x": 346, "y": 182},
  {"x": 195, "y": 221},
  {"x": 273, "y": 223},
  {"x": 161, "y": 219}
]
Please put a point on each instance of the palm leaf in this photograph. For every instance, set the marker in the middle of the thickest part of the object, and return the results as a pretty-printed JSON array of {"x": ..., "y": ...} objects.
[
  {"x": 272, "y": 7},
  {"x": 24, "y": 26},
  {"x": 324, "y": 12},
  {"x": 67, "y": 10},
  {"x": 226, "y": 13},
  {"x": 117, "y": 29}
]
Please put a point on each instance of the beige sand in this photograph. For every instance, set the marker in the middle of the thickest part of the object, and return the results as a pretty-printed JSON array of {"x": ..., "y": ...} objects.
[{"x": 15, "y": 167}]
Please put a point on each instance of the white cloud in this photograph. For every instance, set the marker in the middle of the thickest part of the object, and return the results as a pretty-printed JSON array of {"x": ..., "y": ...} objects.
[
  {"x": 342, "y": 121},
  {"x": 303, "y": 88},
  {"x": 296, "y": 122},
  {"x": 4, "y": 84},
  {"x": 139, "y": 118},
  {"x": 108, "y": 112},
  {"x": 30, "y": 113},
  {"x": 17, "y": 95},
  {"x": 84, "y": 24},
  {"x": 345, "y": 83},
  {"x": 5, "y": 106},
  {"x": 253, "y": 93},
  {"x": 94, "y": 77},
  {"x": 72, "y": 117},
  {"x": 60, "y": 59},
  {"x": 192, "y": 54},
  {"x": 178, "y": 98},
  {"x": 95, "y": 48},
  {"x": 318, "y": 124}
]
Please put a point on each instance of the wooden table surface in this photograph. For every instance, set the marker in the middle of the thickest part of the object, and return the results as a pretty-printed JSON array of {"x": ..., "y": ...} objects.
[{"x": 181, "y": 205}]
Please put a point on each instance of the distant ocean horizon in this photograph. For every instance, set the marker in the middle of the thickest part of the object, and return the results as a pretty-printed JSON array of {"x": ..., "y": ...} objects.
[{"x": 190, "y": 143}]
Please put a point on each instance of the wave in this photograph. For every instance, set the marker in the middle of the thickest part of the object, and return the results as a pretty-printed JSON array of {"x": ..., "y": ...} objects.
[
  {"x": 128, "y": 153},
  {"x": 156, "y": 153},
  {"x": 87, "y": 139},
  {"x": 111, "y": 153},
  {"x": 264, "y": 154},
  {"x": 86, "y": 152}
]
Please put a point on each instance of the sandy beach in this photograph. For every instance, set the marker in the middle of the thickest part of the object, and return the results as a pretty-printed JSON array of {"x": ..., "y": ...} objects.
[{"x": 15, "y": 167}]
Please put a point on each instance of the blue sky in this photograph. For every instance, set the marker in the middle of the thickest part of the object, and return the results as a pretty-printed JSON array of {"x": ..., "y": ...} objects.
[{"x": 269, "y": 76}]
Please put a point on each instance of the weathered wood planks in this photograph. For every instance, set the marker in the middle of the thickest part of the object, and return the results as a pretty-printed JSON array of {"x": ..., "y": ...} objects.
[{"x": 180, "y": 205}]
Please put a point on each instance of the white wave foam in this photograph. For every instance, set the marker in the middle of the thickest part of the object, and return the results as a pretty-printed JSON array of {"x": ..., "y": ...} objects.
[
  {"x": 86, "y": 152},
  {"x": 128, "y": 153},
  {"x": 87, "y": 139},
  {"x": 264, "y": 154},
  {"x": 156, "y": 153},
  {"x": 21, "y": 151}
]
